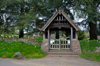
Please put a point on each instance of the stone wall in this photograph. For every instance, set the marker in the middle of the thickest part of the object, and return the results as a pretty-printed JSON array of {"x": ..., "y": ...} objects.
[
  {"x": 45, "y": 45},
  {"x": 25, "y": 40},
  {"x": 76, "y": 46}
]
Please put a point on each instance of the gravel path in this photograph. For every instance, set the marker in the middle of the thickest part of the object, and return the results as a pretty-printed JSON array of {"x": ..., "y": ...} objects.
[{"x": 49, "y": 61}]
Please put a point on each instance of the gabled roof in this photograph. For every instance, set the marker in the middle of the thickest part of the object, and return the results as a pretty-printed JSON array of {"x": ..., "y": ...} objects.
[{"x": 65, "y": 15}]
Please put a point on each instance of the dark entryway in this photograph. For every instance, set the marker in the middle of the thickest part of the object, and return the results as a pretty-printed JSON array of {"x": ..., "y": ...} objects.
[{"x": 60, "y": 38}]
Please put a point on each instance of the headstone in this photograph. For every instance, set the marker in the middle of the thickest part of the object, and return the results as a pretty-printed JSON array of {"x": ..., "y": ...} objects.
[
  {"x": 98, "y": 37},
  {"x": 34, "y": 36},
  {"x": 17, "y": 53},
  {"x": 38, "y": 34},
  {"x": 15, "y": 38},
  {"x": 53, "y": 36},
  {"x": 97, "y": 49}
]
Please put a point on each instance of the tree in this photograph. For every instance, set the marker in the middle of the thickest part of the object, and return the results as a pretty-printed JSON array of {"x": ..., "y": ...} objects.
[
  {"x": 81, "y": 35},
  {"x": 89, "y": 9},
  {"x": 27, "y": 12},
  {"x": 18, "y": 9}
]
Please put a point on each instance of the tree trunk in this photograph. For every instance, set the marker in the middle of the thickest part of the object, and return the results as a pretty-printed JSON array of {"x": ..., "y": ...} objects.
[
  {"x": 21, "y": 33},
  {"x": 93, "y": 31}
]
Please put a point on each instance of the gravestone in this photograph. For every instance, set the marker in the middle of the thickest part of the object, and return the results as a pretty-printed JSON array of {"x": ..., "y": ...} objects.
[
  {"x": 34, "y": 35},
  {"x": 53, "y": 36},
  {"x": 97, "y": 49},
  {"x": 98, "y": 37},
  {"x": 38, "y": 34}
]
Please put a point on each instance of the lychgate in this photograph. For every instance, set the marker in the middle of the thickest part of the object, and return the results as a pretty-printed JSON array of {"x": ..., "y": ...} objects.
[{"x": 60, "y": 33}]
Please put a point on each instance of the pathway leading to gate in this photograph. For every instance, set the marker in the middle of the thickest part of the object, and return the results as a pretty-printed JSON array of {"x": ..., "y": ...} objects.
[{"x": 49, "y": 61}]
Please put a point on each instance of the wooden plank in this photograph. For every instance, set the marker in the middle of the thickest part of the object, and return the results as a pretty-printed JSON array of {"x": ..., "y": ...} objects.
[
  {"x": 59, "y": 25},
  {"x": 59, "y": 44},
  {"x": 60, "y": 20}
]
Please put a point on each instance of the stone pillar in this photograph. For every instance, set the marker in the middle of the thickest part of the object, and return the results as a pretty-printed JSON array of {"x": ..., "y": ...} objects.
[
  {"x": 43, "y": 35},
  {"x": 45, "y": 45},
  {"x": 76, "y": 46},
  {"x": 76, "y": 35}
]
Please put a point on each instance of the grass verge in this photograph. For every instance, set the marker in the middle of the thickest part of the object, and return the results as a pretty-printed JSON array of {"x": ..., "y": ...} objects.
[
  {"x": 88, "y": 50},
  {"x": 27, "y": 50},
  {"x": 93, "y": 56}
]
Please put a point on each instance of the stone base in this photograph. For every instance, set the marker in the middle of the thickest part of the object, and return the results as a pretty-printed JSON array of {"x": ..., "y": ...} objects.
[
  {"x": 45, "y": 45},
  {"x": 76, "y": 46}
]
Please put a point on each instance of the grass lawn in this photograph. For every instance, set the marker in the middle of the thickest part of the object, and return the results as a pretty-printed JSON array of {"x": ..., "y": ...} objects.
[
  {"x": 27, "y": 50},
  {"x": 93, "y": 56},
  {"x": 88, "y": 50}
]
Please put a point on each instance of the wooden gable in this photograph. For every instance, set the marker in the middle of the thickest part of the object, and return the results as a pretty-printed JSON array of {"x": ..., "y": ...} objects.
[{"x": 61, "y": 19}]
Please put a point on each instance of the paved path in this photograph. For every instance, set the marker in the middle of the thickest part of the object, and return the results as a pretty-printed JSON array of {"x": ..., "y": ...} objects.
[{"x": 49, "y": 61}]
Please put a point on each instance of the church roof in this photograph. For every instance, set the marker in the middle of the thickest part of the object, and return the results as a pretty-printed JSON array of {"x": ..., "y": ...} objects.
[{"x": 60, "y": 11}]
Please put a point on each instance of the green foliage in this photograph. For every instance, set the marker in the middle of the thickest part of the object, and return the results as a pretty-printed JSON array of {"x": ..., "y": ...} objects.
[
  {"x": 98, "y": 39},
  {"x": 91, "y": 56},
  {"x": 81, "y": 35},
  {"x": 39, "y": 39},
  {"x": 89, "y": 45},
  {"x": 27, "y": 50},
  {"x": 86, "y": 34},
  {"x": 88, "y": 50},
  {"x": 98, "y": 32},
  {"x": 88, "y": 9},
  {"x": 24, "y": 14}
]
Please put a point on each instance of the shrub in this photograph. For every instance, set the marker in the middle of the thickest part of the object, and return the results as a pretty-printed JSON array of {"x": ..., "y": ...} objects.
[
  {"x": 89, "y": 45},
  {"x": 81, "y": 35},
  {"x": 39, "y": 39},
  {"x": 98, "y": 32},
  {"x": 88, "y": 50},
  {"x": 98, "y": 39},
  {"x": 27, "y": 50}
]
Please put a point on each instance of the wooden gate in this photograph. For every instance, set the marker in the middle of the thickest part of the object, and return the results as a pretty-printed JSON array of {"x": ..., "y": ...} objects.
[{"x": 59, "y": 44}]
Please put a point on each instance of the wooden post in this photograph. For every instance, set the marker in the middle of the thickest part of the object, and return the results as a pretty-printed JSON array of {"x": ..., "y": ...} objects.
[
  {"x": 71, "y": 38},
  {"x": 43, "y": 35},
  {"x": 71, "y": 33},
  {"x": 49, "y": 38},
  {"x": 59, "y": 44}
]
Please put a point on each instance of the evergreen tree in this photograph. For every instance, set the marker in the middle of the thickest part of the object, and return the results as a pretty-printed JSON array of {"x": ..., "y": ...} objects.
[
  {"x": 18, "y": 10},
  {"x": 89, "y": 9},
  {"x": 27, "y": 12}
]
